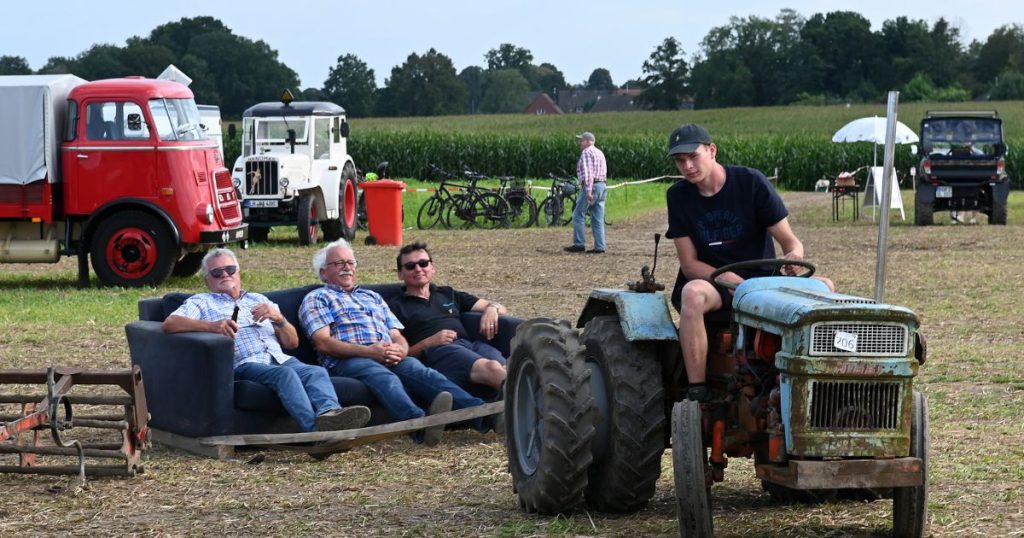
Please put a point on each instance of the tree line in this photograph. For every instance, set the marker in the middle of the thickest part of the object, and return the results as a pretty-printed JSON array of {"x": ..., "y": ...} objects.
[{"x": 751, "y": 61}]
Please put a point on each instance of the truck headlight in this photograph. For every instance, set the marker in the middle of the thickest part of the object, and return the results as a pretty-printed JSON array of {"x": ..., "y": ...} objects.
[
  {"x": 284, "y": 182},
  {"x": 204, "y": 212},
  {"x": 237, "y": 182}
]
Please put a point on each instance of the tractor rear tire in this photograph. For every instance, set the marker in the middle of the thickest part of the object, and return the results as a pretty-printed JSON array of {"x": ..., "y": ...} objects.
[
  {"x": 910, "y": 505},
  {"x": 690, "y": 465},
  {"x": 549, "y": 417},
  {"x": 627, "y": 388}
]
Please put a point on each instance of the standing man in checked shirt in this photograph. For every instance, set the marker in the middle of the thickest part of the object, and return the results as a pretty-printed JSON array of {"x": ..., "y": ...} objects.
[
  {"x": 356, "y": 335},
  {"x": 592, "y": 172},
  {"x": 259, "y": 330}
]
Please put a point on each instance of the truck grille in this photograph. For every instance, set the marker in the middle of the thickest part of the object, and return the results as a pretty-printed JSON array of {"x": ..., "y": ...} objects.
[
  {"x": 226, "y": 200},
  {"x": 855, "y": 405},
  {"x": 873, "y": 339},
  {"x": 260, "y": 178}
]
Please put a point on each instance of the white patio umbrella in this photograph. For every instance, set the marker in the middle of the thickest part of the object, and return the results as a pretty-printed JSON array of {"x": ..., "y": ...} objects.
[{"x": 873, "y": 130}]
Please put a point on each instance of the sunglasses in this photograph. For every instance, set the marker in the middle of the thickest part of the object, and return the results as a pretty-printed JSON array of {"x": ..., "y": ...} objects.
[
  {"x": 219, "y": 271},
  {"x": 409, "y": 266}
]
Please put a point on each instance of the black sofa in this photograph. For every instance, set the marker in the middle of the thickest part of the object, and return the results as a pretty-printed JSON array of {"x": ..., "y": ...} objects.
[{"x": 189, "y": 379}]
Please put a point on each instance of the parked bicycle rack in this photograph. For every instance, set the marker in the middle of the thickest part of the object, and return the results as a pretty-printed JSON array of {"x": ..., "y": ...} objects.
[{"x": 22, "y": 433}]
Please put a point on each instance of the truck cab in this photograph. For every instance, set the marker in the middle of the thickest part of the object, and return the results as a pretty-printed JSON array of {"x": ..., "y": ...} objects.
[
  {"x": 962, "y": 165},
  {"x": 295, "y": 170}
]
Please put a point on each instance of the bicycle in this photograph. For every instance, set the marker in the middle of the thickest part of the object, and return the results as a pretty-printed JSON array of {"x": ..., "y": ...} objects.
[
  {"x": 556, "y": 209},
  {"x": 473, "y": 206},
  {"x": 522, "y": 206}
]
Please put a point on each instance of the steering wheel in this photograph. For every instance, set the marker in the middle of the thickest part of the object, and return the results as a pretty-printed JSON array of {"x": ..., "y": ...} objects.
[{"x": 775, "y": 263}]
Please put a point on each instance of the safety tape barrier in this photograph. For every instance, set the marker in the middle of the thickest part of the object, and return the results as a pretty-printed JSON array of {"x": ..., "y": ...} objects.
[{"x": 530, "y": 186}]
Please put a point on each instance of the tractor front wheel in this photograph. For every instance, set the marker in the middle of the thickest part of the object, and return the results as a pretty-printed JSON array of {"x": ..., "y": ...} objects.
[
  {"x": 690, "y": 463},
  {"x": 627, "y": 388},
  {"x": 549, "y": 417},
  {"x": 309, "y": 220},
  {"x": 910, "y": 505}
]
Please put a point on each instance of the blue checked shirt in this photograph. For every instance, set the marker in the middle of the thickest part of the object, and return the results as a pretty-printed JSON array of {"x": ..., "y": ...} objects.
[
  {"x": 357, "y": 317},
  {"x": 254, "y": 342}
]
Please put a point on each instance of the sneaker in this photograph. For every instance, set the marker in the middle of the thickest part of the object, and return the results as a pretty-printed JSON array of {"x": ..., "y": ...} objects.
[
  {"x": 442, "y": 404},
  {"x": 596, "y": 251},
  {"x": 575, "y": 248},
  {"x": 498, "y": 423},
  {"x": 346, "y": 418}
]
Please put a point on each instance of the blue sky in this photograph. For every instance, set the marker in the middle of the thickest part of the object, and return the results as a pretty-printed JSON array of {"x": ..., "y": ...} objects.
[{"x": 577, "y": 37}]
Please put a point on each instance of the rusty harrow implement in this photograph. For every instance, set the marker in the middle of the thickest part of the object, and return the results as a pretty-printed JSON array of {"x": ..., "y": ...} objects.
[{"x": 24, "y": 434}]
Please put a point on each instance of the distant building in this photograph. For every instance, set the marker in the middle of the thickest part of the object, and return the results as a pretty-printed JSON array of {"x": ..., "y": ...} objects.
[
  {"x": 541, "y": 104},
  {"x": 576, "y": 101}
]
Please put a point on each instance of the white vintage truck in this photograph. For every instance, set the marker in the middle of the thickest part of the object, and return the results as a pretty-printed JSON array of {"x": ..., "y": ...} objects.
[{"x": 295, "y": 170}]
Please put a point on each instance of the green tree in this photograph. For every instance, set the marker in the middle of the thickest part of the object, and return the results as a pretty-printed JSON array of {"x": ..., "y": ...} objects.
[
  {"x": 666, "y": 77},
  {"x": 839, "y": 46},
  {"x": 508, "y": 56},
  {"x": 352, "y": 84},
  {"x": 920, "y": 88},
  {"x": 1003, "y": 49},
  {"x": 600, "y": 79},
  {"x": 505, "y": 92},
  {"x": 14, "y": 65},
  {"x": 423, "y": 86},
  {"x": 474, "y": 78},
  {"x": 1009, "y": 85},
  {"x": 549, "y": 79}
]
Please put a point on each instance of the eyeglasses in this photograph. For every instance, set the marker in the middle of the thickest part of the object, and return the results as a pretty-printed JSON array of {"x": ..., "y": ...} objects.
[
  {"x": 218, "y": 272},
  {"x": 342, "y": 263},
  {"x": 409, "y": 266}
]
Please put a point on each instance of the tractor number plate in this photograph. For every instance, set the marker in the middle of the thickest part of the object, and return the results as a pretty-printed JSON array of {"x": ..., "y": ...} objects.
[
  {"x": 944, "y": 192},
  {"x": 845, "y": 341},
  {"x": 261, "y": 203}
]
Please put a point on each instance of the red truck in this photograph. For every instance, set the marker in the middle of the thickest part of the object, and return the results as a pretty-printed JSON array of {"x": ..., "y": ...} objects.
[{"x": 120, "y": 171}]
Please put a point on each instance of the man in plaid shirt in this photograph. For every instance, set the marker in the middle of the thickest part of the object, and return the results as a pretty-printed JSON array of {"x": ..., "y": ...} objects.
[
  {"x": 356, "y": 335},
  {"x": 592, "y": 172},
  {"x": 259, "y": 330}
]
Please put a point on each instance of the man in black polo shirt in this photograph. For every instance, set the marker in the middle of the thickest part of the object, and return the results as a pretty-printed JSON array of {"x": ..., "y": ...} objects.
[{"x": 434, "y": 329}]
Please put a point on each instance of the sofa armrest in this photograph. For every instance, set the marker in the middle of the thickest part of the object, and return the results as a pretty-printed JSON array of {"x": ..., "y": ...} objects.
[
  {"x": 507, "y": 326},
  {"x": 189, "y": 378}
]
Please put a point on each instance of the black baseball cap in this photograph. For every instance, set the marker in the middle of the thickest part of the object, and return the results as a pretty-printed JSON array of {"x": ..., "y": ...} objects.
[{"x": 687, "y": 138}]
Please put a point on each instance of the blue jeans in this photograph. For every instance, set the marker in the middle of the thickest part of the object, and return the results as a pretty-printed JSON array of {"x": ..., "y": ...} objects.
[
  {"x": 596, "y": 210},
  {"x": 395, "y": 387},
  {"x": 305, "y": 390}
]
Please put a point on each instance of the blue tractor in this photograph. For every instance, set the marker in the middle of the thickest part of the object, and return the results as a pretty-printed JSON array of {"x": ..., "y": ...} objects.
[{"x": 817, "y": 387}]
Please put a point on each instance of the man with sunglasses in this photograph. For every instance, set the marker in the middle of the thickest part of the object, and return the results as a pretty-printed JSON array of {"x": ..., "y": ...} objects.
[
  {"x": 259, "y": 331},
  {"x": 356, "y": 335},
  {"x": 433, "y": 326}
]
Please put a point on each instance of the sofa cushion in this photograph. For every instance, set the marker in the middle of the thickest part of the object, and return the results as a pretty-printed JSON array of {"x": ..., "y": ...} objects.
[{"x": 252, "y": 396}]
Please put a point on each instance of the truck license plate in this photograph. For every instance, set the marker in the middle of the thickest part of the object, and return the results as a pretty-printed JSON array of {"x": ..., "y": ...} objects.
[
  {"x": 261, "y": 203},
  {"x": 845, "y": 341},
  {"x": 944, "y": 192}
]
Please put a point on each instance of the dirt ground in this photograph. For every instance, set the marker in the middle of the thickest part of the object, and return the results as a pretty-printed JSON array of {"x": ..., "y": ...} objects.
[{"x": 963, "y": 281}]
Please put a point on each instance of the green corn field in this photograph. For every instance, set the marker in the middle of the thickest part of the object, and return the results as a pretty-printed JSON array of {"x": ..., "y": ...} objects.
[{"x": 792, "y": 144}]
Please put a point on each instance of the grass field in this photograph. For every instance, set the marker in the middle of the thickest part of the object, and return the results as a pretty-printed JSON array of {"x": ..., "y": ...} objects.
[{"x": 962, "y": 280}]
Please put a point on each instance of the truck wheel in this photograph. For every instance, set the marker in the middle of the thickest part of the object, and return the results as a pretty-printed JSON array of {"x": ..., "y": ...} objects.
[
  {"x": 549, "y": 417},
  {"x": 258, "y": 234},
  {"x": 308, "y": 222},
  {"x": 998, "y": 215},
  {"x": 910, "y": 505},
  {"x": 923, "y": 214},
  {"x": 348, "y": 215},
  {"x": 132, "y": 249},
  {"x": 627, "y": 388},
  {"x": 690, "y": 465},
  {"x": 189, "y": 264}
]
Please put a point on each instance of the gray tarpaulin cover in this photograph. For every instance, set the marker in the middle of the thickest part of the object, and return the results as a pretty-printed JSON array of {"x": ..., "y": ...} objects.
[{"x": 32, "y": 109}]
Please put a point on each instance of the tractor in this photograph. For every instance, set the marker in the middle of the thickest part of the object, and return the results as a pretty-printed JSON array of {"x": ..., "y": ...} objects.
[{"x": 817, "y": 387}]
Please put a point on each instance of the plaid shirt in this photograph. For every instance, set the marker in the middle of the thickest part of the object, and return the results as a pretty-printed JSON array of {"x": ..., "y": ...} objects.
[
  {"x": 591, "y": 167},
  {"x": 357, "y": 317},
  {"x": 254, "y": 342}
]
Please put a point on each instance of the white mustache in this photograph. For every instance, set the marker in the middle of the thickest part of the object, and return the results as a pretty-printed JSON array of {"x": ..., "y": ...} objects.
[{"x": 345, "y": 273}]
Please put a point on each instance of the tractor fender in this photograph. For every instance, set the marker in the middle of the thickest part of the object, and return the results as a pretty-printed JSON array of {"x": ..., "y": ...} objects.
[{"x": 643, "y": 316}]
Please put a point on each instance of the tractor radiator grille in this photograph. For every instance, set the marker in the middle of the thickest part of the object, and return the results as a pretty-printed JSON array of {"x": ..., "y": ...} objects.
[
  {"x": 873, "y": 339},
  {"x": 855, "y": 405},
  {"x": 260, "y": 178}
]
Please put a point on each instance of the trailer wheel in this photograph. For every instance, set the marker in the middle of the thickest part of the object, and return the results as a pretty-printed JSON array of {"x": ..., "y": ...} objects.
[
  {"x": 308, "y": 222},
  {"x": 630, "y": 424},
  {"x": 910, "y": 505},
  {"x": 132, "y": 249},
  {"x": 189, "y": 264},
  {"x": 549, "y": 417},
  {"x": 348, "y": 216},
  {"x": 690, "y": 465}
]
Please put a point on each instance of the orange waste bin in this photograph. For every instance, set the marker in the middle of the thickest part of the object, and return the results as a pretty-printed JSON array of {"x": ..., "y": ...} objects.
[{"x": 383, "y": 211}]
